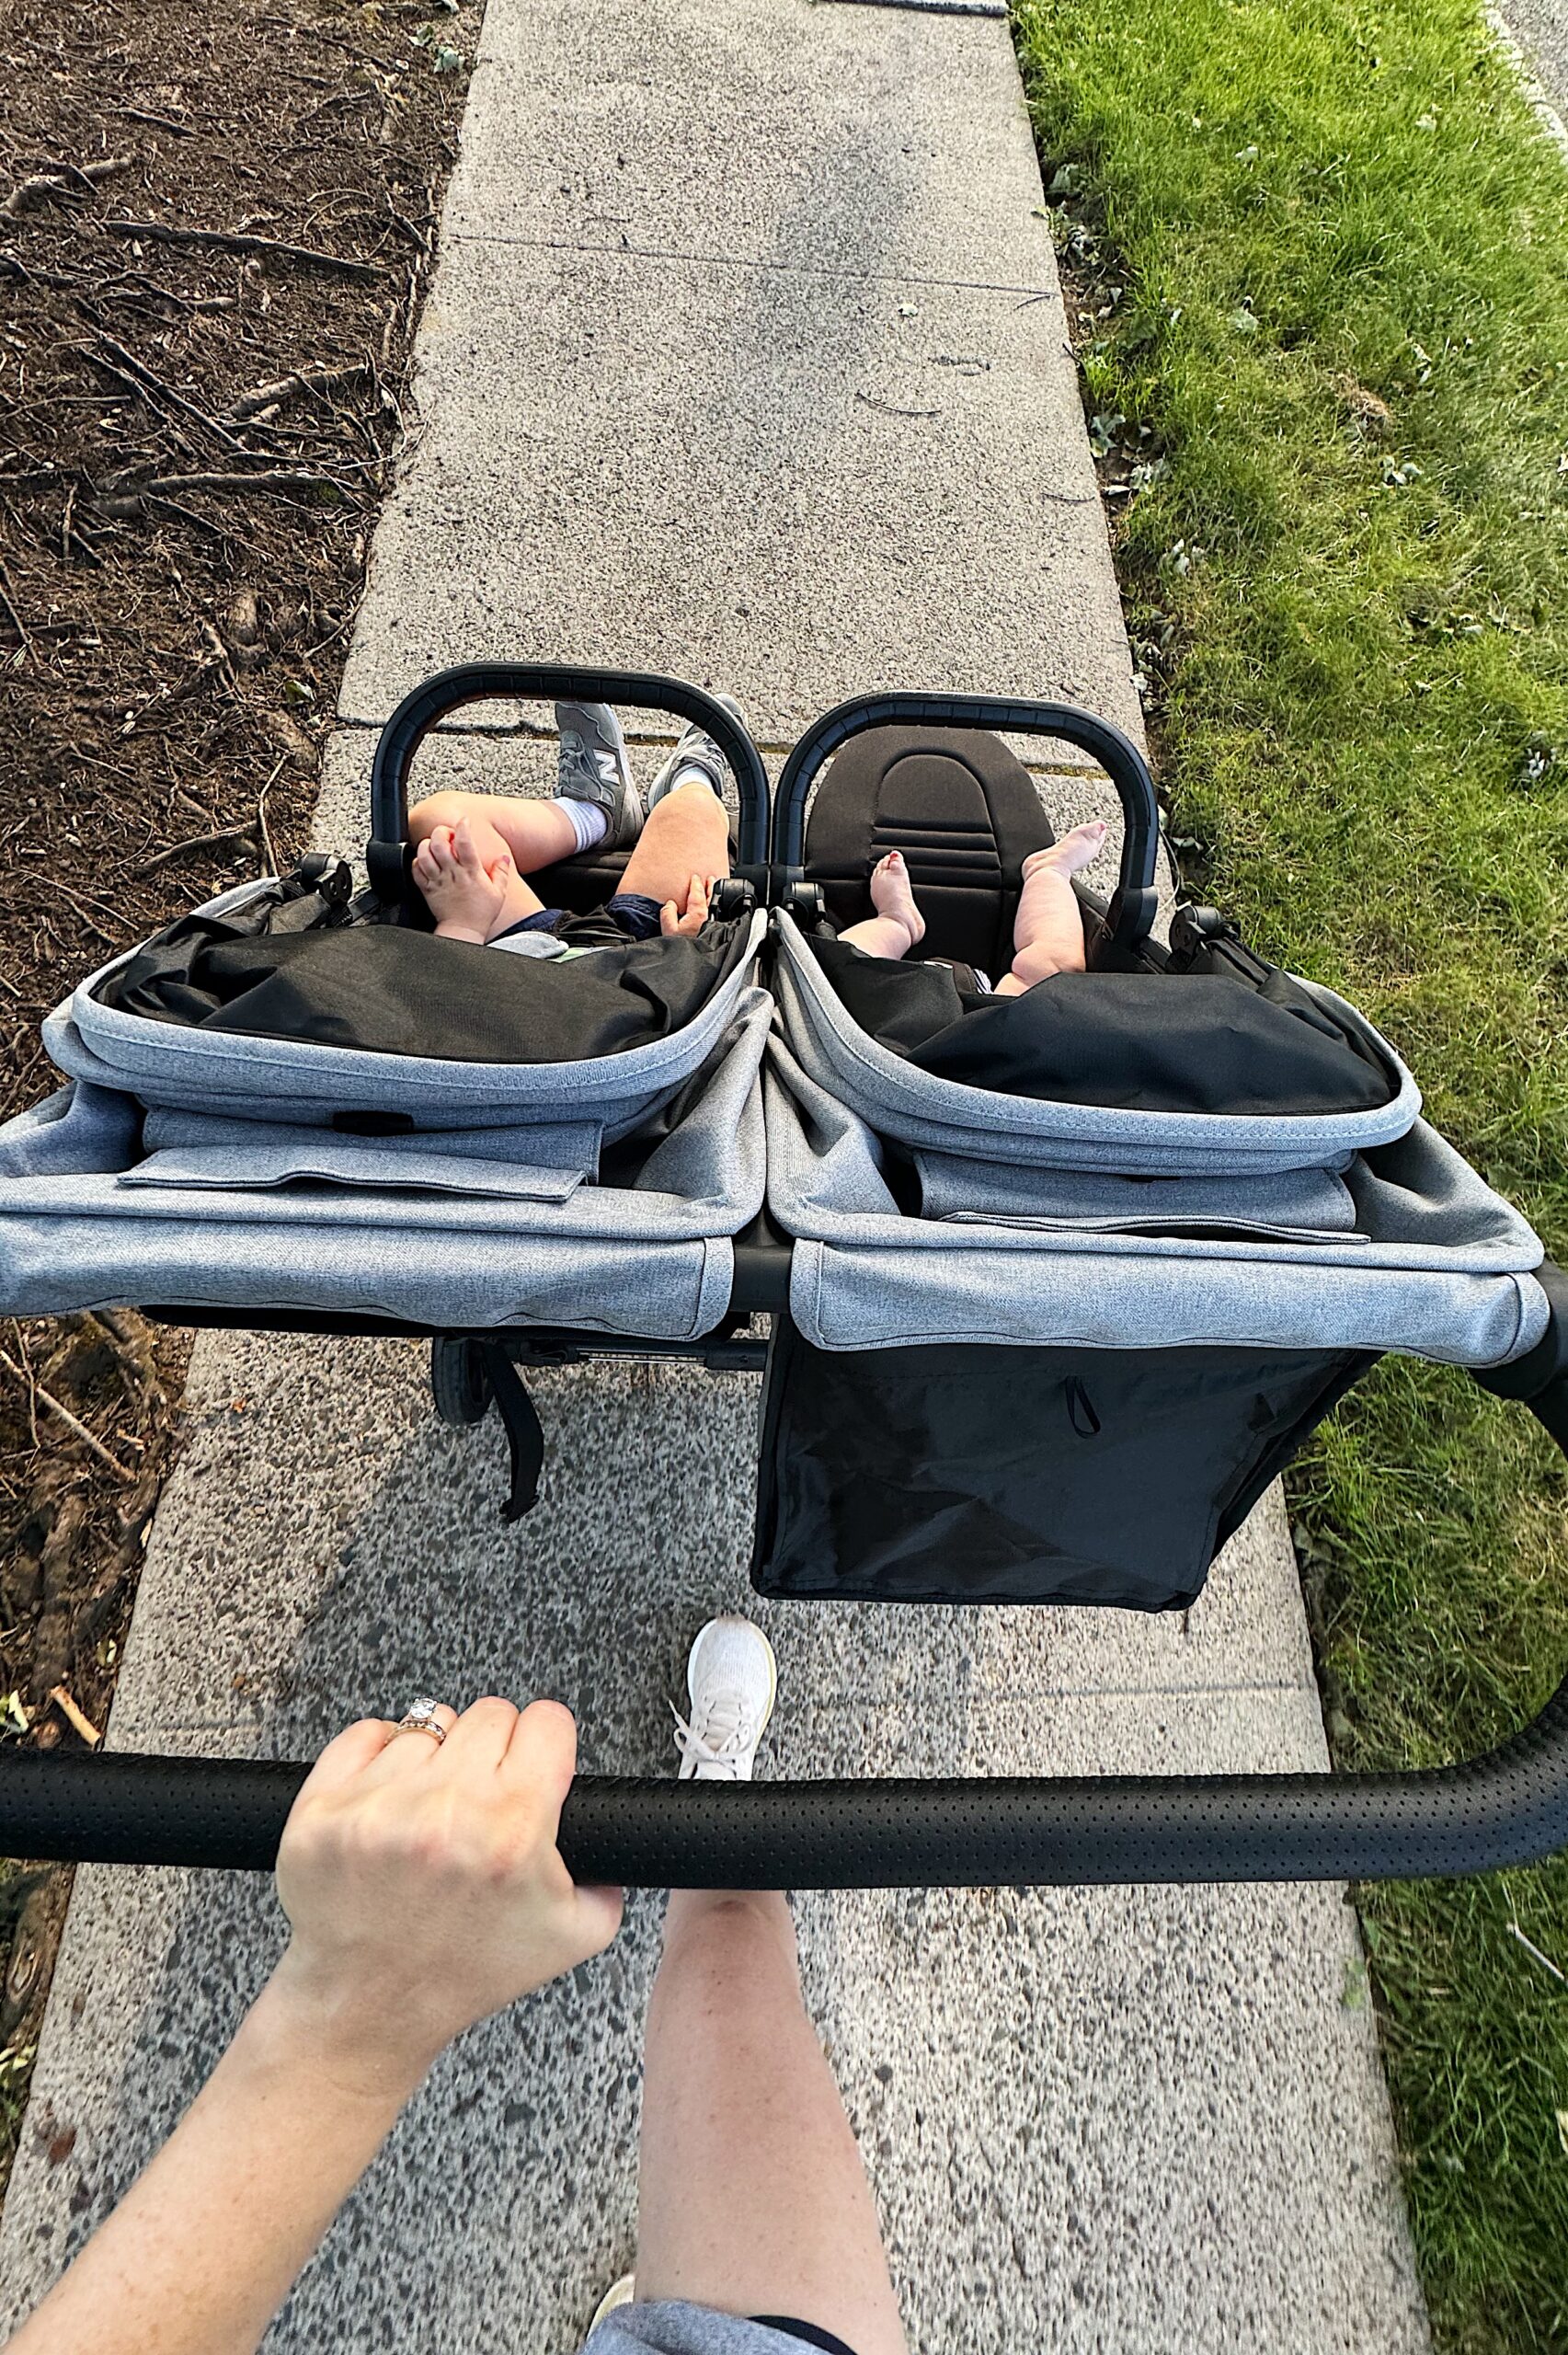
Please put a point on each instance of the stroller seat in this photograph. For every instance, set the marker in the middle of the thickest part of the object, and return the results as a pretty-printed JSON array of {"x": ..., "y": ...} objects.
[
  {"x": 963, "y": 810},
  {"x": 292, "y": 1100}
]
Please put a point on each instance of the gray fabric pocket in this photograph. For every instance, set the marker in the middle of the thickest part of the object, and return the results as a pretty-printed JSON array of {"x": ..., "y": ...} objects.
[
  {"x": 1290, "y": 1206},
  {"x": 389, "y": 1166}
]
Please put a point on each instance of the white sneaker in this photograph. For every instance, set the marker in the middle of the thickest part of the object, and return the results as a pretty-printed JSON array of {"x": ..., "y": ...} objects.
[
  {"x": 696, "y": 760},
  {"x": 732, "y": 1677}
]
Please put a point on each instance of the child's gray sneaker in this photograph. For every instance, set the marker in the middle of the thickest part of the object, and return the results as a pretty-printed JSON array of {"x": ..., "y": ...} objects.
[
  {"x": 696, "y": 760},
  {"x": 594, "y": 768}
]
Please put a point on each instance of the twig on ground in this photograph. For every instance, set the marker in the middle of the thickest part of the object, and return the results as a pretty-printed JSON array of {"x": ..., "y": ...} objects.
[
  {"x": 142, "y": 374},
  {"x": 302, "y": 380},
  {"x": 235, "y": 241},
  {"x": 891, "y": 408},
  {"x": 275, "y": 480},
  {"x": 219, "y": 651},
  {"x": 1531, "y": 1948},
  {"x": 215, "y": 840},
  {"x": 104, "y": 906},
  {"x": 162, "y": 121},
  {"x": 91, "y": 922},
  {"x": 73, "y": 1717},
  {"x": 72, "y": 1422},
  {"x": 28, "y": 1378},
  {"x": 58, "y": 180},
  {"x": 268, "y": 855},
  {"x": 13, "y": 611}
]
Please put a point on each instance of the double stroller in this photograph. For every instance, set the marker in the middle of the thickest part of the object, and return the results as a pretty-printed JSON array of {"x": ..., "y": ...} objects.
[{"x": 1056, "y": 1283}]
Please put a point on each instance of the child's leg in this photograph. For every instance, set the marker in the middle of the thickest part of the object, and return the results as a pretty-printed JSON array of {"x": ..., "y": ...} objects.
[
  {"x": 687, "y": 834},
  {"x": 1048, "y": 933},
  {"x": 534, "y": 833},
  {"x": 898, "y": 924},
  {"x": 468, "y": 882}
]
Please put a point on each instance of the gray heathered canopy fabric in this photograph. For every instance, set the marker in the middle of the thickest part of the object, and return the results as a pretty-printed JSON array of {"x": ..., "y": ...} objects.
[
  {"x": 1438, "y": 1265},
  {"x": 90, "y": 1217}
]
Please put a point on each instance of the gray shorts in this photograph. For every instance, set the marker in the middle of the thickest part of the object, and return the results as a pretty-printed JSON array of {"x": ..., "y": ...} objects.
[{"x": 675, "y": 2328}]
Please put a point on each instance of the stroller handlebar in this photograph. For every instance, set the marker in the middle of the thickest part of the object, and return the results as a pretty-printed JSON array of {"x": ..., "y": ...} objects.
[
  {"x": 1507, "y": 1807},
  {"x": 552, "y": 682}
]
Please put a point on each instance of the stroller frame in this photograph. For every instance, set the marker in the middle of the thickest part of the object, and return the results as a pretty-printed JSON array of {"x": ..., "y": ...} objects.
[{"x": 1506, "y": 1807}]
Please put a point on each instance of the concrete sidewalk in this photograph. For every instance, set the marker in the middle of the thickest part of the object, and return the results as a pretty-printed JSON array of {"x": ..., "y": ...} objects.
[
  {"x": 1539, "y": 28},
  {"x": 746, "y": 360}
]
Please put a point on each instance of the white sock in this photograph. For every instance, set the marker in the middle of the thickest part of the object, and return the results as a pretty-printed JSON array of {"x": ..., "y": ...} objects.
[{"x": 590, "y": 822}]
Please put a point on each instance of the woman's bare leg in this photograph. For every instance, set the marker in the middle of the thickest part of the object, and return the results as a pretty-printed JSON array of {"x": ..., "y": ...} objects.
[
  {"x": 751, "y": 2195},
  {"x": 1047, "y": 931},
  {"x": 687, "y": 834},
  {"x": 536, "y": 833}
]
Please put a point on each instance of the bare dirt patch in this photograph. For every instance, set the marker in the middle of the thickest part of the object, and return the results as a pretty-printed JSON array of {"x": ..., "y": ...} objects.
[{"x": 216, "y": 225}]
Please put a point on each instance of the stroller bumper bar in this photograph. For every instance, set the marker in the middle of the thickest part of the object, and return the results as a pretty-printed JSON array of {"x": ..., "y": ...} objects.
[
  {"x": 470, "y": 683},
  {"x": 1508, "y": 1807},
  {"x": 1132, "y": 915}
]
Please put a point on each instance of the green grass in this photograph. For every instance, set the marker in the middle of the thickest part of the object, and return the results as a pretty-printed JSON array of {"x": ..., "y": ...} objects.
[{"x": 1331, "y": 247}]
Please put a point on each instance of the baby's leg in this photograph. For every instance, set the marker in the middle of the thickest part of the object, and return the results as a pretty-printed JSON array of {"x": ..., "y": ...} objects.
[
  {"x": 898, "y": 924},
  {"x": 687, "y": 834},
  {"x": 466, "y": 876},
  {"x": 1048, "y": 933},
  {"x": 534, "y": 834}
]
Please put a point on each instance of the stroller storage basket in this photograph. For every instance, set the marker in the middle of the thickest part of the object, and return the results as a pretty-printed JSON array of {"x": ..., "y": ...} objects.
[{"x": 1090, "y": 1261}]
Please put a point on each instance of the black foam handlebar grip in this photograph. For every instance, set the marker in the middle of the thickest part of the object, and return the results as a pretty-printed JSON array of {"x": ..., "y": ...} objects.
[
  {"x": 1508, "y": 1809},
  {"x": 1002, "y": 715},
  {"x": 560, "y": 683}
]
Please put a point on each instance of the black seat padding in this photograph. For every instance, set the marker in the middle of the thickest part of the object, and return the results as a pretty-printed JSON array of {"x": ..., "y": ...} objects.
[{"x": 964, "y": 811}]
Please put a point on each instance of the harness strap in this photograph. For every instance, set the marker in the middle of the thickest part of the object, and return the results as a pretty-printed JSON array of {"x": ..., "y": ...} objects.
[{"x": 526, "y": 1434}]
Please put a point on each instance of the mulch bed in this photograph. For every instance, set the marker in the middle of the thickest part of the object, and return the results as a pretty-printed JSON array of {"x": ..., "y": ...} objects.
[{"x": 216, "y": 225}]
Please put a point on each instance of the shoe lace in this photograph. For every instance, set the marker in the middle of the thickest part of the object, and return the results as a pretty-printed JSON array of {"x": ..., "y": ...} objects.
[
  {"x": 726, "y": 1733},
  {"x": 583, "y": 764}
]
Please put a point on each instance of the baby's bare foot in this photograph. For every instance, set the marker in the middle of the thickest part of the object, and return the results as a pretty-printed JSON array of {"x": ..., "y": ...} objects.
[
  {"x": 464, "y": 896},
  {"x": 1074, "y": 850},
  {"x": 892, "y": 896}
]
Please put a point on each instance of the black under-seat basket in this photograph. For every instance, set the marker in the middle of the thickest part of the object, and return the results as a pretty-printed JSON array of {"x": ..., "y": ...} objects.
[{"x": 952, "y": 1471}]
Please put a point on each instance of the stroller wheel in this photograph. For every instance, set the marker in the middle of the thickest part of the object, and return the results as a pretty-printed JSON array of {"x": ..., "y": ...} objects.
[{"x": 459, "y": 1383}]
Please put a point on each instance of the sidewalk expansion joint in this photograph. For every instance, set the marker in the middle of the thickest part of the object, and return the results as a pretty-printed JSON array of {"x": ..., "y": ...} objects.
[
  {"x": 626, "y": 251},
  {"x": 926, "y": 7},
  {"x": 1218, "y": 1690}
]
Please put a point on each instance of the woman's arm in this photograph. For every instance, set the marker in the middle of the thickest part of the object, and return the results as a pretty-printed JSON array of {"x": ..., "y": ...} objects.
[{"x": 424, "y": 1890}]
